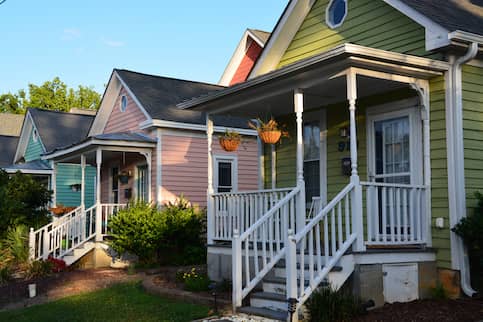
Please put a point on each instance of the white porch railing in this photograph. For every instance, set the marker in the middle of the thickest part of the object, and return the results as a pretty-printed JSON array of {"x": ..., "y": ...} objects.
[
  {"x": 395, "y": 213},
  {"x": 323, "y": 241},
  {"x": 262, "y": 244},
  {"x": 241, "y": 210},
  {"x": 70, "y": 231}
]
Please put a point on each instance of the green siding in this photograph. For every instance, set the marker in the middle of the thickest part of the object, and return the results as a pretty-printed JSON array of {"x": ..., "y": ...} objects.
[
  {"x": 34, "y": 149},
  {"x": 439, "y": 172},
  {"x": 368, "y": 23},
  {"x": 68, "y": 174},
  {"x": 473, "y": 132}
]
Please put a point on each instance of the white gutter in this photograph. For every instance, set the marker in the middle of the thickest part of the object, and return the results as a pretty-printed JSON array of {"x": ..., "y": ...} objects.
[{"x": 459, "y": 194}]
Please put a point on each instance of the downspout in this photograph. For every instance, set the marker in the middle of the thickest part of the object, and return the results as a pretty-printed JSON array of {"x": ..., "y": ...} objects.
[{"x": 459, "y": 191}]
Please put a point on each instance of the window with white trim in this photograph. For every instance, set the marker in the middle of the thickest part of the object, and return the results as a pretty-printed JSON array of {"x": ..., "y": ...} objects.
[
  {"x": 225, "y": 179},
  {"x": 312, "y": 160},
  {"x": 123, "y": 103},
  {"x": 336, "y": 13}
]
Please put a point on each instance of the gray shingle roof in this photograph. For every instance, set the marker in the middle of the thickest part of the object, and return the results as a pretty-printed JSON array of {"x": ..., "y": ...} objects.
[
  {"x": 8, "y": 146},
  {"x": 32, "y": 165},
  {"x": 464, "y": 15},
  {"x": 58, "y": 129},
  {"x": 11, "y": 124},
  {"x": 125, "y": 136}
]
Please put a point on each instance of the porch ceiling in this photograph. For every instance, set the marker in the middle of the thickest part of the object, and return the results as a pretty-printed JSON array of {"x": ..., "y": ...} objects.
[{"x": 322, "y": 79}]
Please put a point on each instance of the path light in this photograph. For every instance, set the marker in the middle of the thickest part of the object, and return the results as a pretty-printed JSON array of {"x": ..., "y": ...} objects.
[
  {"x": 32, "y": 290},
  {"x": 292, "y": 307},
  {"x": 213, "y": 287}
]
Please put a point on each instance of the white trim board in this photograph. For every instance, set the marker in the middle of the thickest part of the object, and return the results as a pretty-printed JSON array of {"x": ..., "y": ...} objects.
[
  {"x": 217, "y": 158},
  {"x": 193, "y": 127}
]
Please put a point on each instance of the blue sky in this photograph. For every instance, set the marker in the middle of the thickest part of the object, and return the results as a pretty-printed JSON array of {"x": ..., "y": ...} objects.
[{"x": 82, "y": 41}]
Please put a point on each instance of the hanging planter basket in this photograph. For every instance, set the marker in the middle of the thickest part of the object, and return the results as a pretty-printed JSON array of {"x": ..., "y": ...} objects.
[
  {"x": 229, "y": 144},
  {"x": 270, "y": 137}
]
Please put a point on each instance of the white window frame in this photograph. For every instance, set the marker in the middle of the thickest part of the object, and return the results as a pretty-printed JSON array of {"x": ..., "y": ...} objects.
[
  {"x": 406, "y": 108},
  {"x": 234, "y": 170},
  {"x": 111, "y": 200},
  {"x": 327, "y": 15},
  {"x": 35, "y": 135},
  {"x": 121, "y": 108},
  {"x": 134, "y": 187}
]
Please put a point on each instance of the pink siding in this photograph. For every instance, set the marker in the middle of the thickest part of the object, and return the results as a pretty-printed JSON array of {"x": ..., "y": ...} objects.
[
  {"x": 127, "y": 121},
  {"x": 184, "y": 167}
]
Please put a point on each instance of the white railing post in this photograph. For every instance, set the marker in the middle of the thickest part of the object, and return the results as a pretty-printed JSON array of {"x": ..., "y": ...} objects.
[
  {"x": 210, "y": 220},
  {"x": 45, "y": 246},
  {"x": 98, "y": 196},
  {"x": 237, "y": 270},
  {"x": 356, "y": 206},
  {"x": 31, "y": 245},
  {"x": 299, "y": 109},
  {"x": 291, "y": 269}
]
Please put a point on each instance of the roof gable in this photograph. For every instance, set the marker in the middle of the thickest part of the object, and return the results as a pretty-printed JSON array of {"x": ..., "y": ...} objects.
[
  {"x": 11, "y": 124},
  {"x": 8, "y": 146}
]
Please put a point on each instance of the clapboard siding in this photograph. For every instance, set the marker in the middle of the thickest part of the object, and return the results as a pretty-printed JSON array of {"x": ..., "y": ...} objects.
[
  {"x": 246, "y": 65},
  {"x": 34, "y": 148},
  {"x": 68, "y": 174},
  {"x": 369, "y": 23},
  {"x": 185, "y": 162},
  {"x": 127, "y": 121},
  {"x": 473, "y": 132}
]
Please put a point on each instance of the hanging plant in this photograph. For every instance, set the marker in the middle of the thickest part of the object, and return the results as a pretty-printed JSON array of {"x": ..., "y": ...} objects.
[
  {"x": 269, "y": 132},
  {"x": 124, "y": 177},
  {"x": 230, "y": 140}
]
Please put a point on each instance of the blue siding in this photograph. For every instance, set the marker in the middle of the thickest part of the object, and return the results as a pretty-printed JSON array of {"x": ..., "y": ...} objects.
[
  {"x": 34, "y": 149},
  {"x": 68, "y": 174}
]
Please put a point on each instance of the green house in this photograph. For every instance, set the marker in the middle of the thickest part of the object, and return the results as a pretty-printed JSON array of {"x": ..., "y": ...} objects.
[
  {"x": 43, "y": 131},
  {"x": 383, "y": 103}
]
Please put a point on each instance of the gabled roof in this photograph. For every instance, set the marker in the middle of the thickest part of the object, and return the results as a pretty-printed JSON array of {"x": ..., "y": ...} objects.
[
  {"x": 260, "y": 35},
  {"x": 8, "y": 146},
  {"x": 58, "y": 129},
  {"x": 159, "y": 95},
  {"x": 464, "y": 15},
  {"x": 11, "y": 124}
]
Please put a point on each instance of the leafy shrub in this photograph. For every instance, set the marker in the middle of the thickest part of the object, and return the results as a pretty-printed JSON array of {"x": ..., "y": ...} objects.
[
  {"x": 58, "y": 265},
  {"x": 195, "y": 281},
  {"x": 5, "y": 274},
  {"x": 439, "y": 292},
  {"x": 39, "y": 269},
  {"x": 327, "y": 305},
  {"x": 171, "y": 235},
  {"x": 24, "y": 202},
  {"x": 14, "y": 251}
]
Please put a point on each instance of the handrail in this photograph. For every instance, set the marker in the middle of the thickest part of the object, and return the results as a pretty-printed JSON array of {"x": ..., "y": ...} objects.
[
  {"x": 272, "y": 210},
  {"x": 58, "y": 220},
  {"x": 250, "y": 192},
  {"x": 393, "y": 185}
]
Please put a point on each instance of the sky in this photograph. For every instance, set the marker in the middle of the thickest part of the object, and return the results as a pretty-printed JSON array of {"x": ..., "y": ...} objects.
[{"x": 82, "y": 41}]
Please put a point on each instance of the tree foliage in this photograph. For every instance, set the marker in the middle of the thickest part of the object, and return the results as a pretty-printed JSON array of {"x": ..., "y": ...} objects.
[{"x": 51, "y": 95}]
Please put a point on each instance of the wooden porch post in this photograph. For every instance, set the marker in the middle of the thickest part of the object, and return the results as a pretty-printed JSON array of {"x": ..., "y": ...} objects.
[
  {"x": 83, "y": 181},
  {"x": 209, "y": 202},
  {"x": 98, "y": 195},
  {"x": 299, "y": 109},
  {"x": 357, "y": 222}
]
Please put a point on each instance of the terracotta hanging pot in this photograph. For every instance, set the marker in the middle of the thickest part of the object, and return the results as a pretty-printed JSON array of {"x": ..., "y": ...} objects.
[
  {"x": 229, "y": 144},
  {"x": 270, "y": 137}
]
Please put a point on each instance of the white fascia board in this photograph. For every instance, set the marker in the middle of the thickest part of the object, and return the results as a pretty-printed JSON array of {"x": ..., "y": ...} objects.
[
  {"x": 97, "y": 142},
  {"x": 27, "y": 128},
  {"x": 235, "y": 60},
  {"x": 465, "y": 36},
  {"x": 436, "y": 36},
  {"x": 255, "y": 38},
  {"x": 107, "y": 104},
  {"x": 46, "y": 172},
  {"x": 193, "y": 127}
]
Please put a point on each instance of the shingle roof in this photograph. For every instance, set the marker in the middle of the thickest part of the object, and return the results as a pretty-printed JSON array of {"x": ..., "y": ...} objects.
[
  {"x": 464, "y": 15},
  {"x": 58, "y": 129},
  {"x": 32, "y": 165},
  {"x": 8, "y": 146},
  {"x": 125, "y": 136},
  {"x": 160, "y": 95},
  {"x": 260, "y": 34},
  {"x": 11, "y": 124}
]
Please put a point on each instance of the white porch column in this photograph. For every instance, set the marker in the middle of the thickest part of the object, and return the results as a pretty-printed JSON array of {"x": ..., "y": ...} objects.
[
  {"x": 159, "y": 188},
  {"x": 53, "y": 184},
  {"x": 299, "y": 109},
  {"x": 83, "y": 181},
  {"x": 357, "y": 223},
  {"x": 148, "y": 156},
  {"x": 209, "y": 202},
  {"x": 98, "y": 195}
]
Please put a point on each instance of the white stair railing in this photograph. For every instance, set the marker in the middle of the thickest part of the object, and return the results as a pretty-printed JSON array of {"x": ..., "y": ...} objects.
[
  {"x": 320, "y": 245},
  {"x": 396, "y": 213},
  {"x": 107, "y": 211},
  {"x": 241, "y": 210},
  {"x": 262, "y": 245}
]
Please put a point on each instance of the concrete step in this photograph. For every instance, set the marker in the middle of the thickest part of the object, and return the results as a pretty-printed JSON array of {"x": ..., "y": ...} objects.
[
  {"x": 279, "y": 269},
  {"x": 271, "y": 301},
  {"x": 274, "y": 315},
  {"x": 279, "y": 285}
]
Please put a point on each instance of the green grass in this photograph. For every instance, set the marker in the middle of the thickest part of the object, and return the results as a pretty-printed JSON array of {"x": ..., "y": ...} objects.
[{"x": 122, "y": 302}]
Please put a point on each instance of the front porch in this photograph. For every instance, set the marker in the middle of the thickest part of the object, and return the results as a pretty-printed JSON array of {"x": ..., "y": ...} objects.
[{"x": 356, "y": 175}]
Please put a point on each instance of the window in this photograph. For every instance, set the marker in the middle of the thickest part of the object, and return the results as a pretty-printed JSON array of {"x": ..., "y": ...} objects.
[
  {"x": 312, "y": 160},
  {"x": 225, "y": 174},
  {"x": 123, "y": 104},
  {"x": 114, "y": 197},
  {"x": 142, "y": 183},
  {"x": 336, "y": 13},
  {"x": 35, "y": 135}
]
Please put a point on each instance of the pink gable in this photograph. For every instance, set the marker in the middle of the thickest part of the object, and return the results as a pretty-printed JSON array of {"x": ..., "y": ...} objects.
[{"x": 127, "y": 121}]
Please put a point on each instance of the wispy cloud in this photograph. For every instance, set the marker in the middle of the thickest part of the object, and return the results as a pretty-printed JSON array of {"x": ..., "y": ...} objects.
[
  {"x": 71, "y": 34},
  {"x": 113, "y": 43}
]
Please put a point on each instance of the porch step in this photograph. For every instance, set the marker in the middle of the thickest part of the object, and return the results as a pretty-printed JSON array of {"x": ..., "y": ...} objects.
[
  {"x": 263, "y": 312},
  {"x": 78, "y": 253},
  {"x": 279, "y": 284},
  {"x": 268, "y": 300}
]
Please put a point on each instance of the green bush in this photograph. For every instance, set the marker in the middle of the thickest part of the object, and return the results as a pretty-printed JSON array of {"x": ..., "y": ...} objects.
[
  {"x": 195, "y": 281},
  {"x": 24, "y": 201},
  {"x": 14, "y": 252},
  {"x": 39, "y": 269},
  {"x": 327, "y": 305},
  {"x": 171, "y": 235}
]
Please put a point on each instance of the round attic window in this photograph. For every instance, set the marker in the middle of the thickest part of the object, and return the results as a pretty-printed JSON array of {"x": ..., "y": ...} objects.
[
  {"x": 336, "y": 13},
  {"x": 123, "y": 104}
]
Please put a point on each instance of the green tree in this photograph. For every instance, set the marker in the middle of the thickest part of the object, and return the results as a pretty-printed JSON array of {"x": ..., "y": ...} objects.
[{"x": 51, "y": 95}]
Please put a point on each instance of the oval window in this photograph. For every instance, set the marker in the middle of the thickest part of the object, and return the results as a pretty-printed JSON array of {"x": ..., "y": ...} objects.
[
  {"x": 123, "y": 103},
  {"x": 336, "y": 13}
]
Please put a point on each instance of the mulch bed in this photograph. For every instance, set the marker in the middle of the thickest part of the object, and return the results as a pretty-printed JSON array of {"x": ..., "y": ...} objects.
[
  {"x": 15, "y": 293},
  {"x": 461, "y": 310}
]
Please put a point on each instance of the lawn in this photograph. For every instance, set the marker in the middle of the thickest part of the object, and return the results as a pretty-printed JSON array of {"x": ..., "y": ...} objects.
[{"x": 122, "y": 302}]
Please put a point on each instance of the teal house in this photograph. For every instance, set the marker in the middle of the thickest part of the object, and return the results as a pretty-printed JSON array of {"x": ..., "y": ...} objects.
[{"x": 44, "y": 131}]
